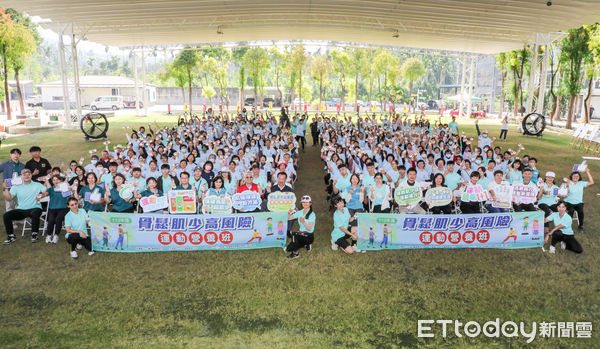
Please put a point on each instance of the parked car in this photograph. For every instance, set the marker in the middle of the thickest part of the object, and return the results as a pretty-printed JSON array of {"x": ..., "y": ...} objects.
[
  {"x": 108, "y": 102},
  {"x": 34, "y": 101},
  {"x": 267, "y": 100},
  {"x": 129, "y": 102},
  {"x": 249, "y": 101}
]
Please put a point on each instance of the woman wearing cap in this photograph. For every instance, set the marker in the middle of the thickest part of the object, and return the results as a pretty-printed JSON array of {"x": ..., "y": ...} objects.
[
  {"x": 546, "y": 198},
  {"x": 306, "y": 221},
  {"x": 574, "y": 201},
  {"x": 341, "y": 221},
  {"x": 562, "y": 231}
]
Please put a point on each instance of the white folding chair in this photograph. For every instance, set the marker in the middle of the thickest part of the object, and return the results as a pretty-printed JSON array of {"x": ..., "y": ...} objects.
[{"x": 43, "y": 222}]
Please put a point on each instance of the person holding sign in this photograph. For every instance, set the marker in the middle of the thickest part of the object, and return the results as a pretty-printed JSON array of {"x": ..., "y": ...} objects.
[
  {"x": 341, "y": 221},
  {"x": 28, "y": 197},
  {"x": 11, "y": 169},
  {"x": 57, "y": 207},
  {"x": 500, "y": 193},
  {"x": 76, "y": 227},
  {"x": 525, "y": 206},
  {"x": 471, "y": 205},
  {"x": 574, "y": 201},
  {"x": 380, "y": 195},
  {"x": 438, "y": 182},
  {"x": 304, "y": 237},
  {"x": 547, "y": 196},
  {"x": 562, "y": 231},
  {"x": 411, "y": 176},
  {"x": 92, "y": 194},
  {"x": 120, "y": 204}
]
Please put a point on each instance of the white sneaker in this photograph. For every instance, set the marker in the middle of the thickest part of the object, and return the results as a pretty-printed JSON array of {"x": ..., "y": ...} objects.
[
  {"x": 74, "y": 254},
  {"x": 48, "y": 239},
  {"x": 543, "y": 249},
  {"x": 55, "y": 239},
  {"x": 552, "y": 249},
  {"x": 355, "y": 248},
  {"x": 91, "y": 253},
  {"x": 79, "y": 247},
  {"x": 563, "y": 245},
  {"x": 334, "y": 246}
]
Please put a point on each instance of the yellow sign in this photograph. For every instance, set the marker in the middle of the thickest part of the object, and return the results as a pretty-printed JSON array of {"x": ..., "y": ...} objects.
[
  {"x": 270, "y": 106},
  {"x": 185, "y": 108}
]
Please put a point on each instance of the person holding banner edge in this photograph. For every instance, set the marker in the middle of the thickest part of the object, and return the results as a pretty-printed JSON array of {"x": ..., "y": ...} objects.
[
  {"x": 341, "y": 222},
  {"x": 304, "y": 237},
  {"x": 574, "y": 201}
]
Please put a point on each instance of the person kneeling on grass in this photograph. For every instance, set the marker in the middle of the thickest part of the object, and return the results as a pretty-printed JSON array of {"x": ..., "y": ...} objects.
[
  {"x": 76, "y": 227},
  {"x": 562, "y": 231},
  {"x": 341, "y": 223},
  {"x": 305, "y": 236}
]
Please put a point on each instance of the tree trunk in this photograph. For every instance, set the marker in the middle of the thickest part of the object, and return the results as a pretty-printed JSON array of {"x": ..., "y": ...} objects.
[
  {"x": 6, "y": 91},
  {"x": 190, "y": 91},
  {"x": 3, "y": 106},
  {"x": 320, "y": 92},
  {"x": 571, "y": 110},
  {"x": 502, "y": 83},
  {"x": 555, "y": 110},
  {"x": 183, "y": 93},
  {"x": 300, "y": 90},
  {"x": 278, "y": 89},
  {"x": 19, "y": 93},
  {"x": 587, "y": 100},
  {"x": 356, "y": 92}
]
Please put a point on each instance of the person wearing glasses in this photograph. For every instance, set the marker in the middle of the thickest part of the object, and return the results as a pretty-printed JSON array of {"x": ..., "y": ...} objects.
[
  {"x": 304, "y": 237},
  {"x": 76, "y": 227}
]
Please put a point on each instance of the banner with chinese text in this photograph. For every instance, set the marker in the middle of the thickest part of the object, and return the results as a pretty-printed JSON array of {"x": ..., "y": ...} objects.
[
  {"x": 126, "y": 232},
  {"x": 379, "y": 231}
]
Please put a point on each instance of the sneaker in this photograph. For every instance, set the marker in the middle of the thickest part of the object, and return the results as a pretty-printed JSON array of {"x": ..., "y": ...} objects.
[
  {"x": 74, "y": 254},
  {"x": 55, "y": 239},
  {"x": 543, "y": 249},
  {"x": 34, "y": 238},
  {"x": 91, "y": 253},
  {"x": 48, "y": 239},
  {"x": 308, "y": 247},
  {"x": 580, "y": 229},
  {"x": 563, "y": 245},
  {"x": 79, "y": 246},
  {"x": 552, "y": 249},
  {"x": 293, "y": 255},
  {"x": 284, "y": 248},
  {"x": 10, "y": 240},
  {"x": 334, "y": 246},
  {"x": 355, "y": 248}
]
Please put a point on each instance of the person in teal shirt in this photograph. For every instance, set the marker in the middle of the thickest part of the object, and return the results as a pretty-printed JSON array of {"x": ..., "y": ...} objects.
[
  {"x": 57, "y": 209},
  {"x": 453, "y": 126},
  {"x": 451, "y": 178},
  {"x": 28, "y": 197},
  {"x": 90, "y": 194},
  {"x": 341, "y": 221},
  {"x": 120, "y": 204},
  {"x": 76, "y": 227},
  {"x": 562, "y": 231},
  {"x": 151, "y": 189},
  {"x": 304, "y": 237},
  {"x": 575, "y": 199}
]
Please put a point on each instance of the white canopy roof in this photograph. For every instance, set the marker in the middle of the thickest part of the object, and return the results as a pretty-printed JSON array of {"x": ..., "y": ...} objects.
[{"x": 484, "y": 26}]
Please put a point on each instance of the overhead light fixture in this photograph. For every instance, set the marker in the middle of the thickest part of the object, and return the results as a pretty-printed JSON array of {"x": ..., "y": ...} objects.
[{"x": 219, "y": 31}]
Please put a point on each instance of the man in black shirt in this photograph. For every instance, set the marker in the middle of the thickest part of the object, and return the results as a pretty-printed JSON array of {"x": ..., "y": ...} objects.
[
  {"x": 314, "y": 131},
  {"x": 38, "y": 166}
]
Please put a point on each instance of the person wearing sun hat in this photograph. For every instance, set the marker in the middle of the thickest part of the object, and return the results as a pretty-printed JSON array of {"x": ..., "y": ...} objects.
[{"x": 304, "y": 237}]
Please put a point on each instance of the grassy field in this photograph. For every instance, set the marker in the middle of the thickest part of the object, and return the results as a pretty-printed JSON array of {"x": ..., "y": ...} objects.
[{"x": 259, "y": 299}]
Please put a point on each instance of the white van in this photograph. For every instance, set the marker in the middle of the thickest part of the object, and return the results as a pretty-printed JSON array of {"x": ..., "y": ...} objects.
[{"x": 108, "y": 102}]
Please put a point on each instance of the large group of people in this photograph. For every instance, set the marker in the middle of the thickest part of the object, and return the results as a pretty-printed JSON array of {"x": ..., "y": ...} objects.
[
  {"x": 213, "y": 155},
  {"x": 367, "y": 159}
]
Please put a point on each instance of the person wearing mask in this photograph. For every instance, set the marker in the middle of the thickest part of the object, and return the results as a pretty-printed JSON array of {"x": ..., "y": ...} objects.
[
  {"x": 574, "y": 201},
  {"x": 9, "y": 169},
  {"x": 504, "y": 128},
  {"x": 76, "y": 227},
  {"x": 39, "y": 166},
  {"x": 304, "y": 237},
  {"x": 562, "y": 231},
  {"x": 483, "y": 139},
  {"x": 28, "y": 197}
]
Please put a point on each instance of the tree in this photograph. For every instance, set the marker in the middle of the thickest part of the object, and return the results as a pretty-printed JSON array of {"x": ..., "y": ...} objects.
[
  {"x": 412, "y": 69},
  {"x": 18, "y": 63},
  {"x": 386, "y": 66},
  {"x": 502, "y": 63},
  {"x": 298, "y": 60},
  {"x": 237, "y": 55},
  {"x": 16, "y": 44},
  {"x": 518, "y": 62},
  {"x": 177, "y": 74},
  {"x": 187, "y": 60},
  {"x": 574, "y": 50},
  {"x": 256, "y": 62},
  {"x": 209, "y": 93},
  {"x": 358, "y": 62},
  {"x": 277, "y": 58},
  {"x": 340, "y": 62},
  {"x": 319, "y": 67},
  {"x": 592, "y": 63}
]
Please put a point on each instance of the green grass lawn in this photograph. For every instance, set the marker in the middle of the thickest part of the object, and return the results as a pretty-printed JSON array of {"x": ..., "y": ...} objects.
[{"x": 259, "y": 299}]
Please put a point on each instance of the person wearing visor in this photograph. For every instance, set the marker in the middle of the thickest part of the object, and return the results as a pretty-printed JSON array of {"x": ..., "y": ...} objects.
[{"x": 304, "y": 237}]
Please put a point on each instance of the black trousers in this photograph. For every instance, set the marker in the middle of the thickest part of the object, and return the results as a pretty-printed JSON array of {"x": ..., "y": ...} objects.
[
  {"x": 301, "y": 140},
  {"x": 377, "y": 209},
  {"x": 547, "y": 211},
  {"x": 579, "y": 208},
  {"x": 17, "y": 215},
  {"x": 524, "y": 207},
  {"x": 55, "y": 219},
  {"x": 315, "y": 137},
  {"x": 570, "y": 241},
  {"x": 300, "y": 240},
  {"x": 470, "y": 207},
  {"x": 447, "y": 209},
  {"x": 503, "y": 134},
  {"x": 74, "y": 238}
]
